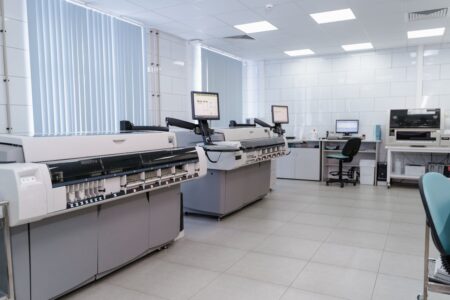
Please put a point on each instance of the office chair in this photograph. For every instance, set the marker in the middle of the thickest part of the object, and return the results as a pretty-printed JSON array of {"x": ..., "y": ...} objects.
[
  {"x": 350, "y": 149},
  {"x": 435, "y": 194}
]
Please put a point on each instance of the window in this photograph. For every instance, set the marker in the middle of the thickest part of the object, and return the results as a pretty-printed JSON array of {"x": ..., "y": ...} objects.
[
  {"x": 87, "y": 69},
  {"x": 223, "y": 75}
]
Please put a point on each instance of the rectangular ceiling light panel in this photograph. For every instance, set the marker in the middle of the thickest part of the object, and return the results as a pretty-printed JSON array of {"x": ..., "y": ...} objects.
[
  {"x": 416, "y": 34},
  {"x": 333, "y": 16},
  {"x": 256, "y": 27},
  {"x": 301, "y": 52},
  {"x": 356, "y": 47}
]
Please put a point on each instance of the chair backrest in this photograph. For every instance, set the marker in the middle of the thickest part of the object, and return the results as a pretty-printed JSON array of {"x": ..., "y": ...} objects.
[
  {"x": 351, "y": 148},
  {"x": 435, "y": 193}
]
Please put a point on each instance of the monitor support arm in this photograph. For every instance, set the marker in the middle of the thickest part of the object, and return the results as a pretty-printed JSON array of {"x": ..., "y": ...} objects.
[
  {"x": 202, "y": 128},
  {"x": 128, "y": 126},
  {"x": 277, "y": 128}
]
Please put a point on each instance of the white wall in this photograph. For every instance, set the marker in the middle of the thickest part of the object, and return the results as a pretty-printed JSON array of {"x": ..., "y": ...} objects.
[
  {"x": 18, "y": 69},
  {"x": 174, "y": 80},
  {"x": 436, "y": 79},
  {"x": 361, "y": 86}
]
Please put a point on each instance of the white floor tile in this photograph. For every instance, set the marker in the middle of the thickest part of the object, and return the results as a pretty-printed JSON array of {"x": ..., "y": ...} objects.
[
  {"x": 364, "y": 225},
  {"x": 302, "y": 231},
  {"x": 348, "y": 256},
  {"x": 289, "y": 247},
  {"x": 357, "y": 239},
  {"x": 163, "y": 279},
  {"x": 211, "y": 257},
  {"x": 296, "y": 294},
  {"x": 268, "y": 268},
  {"x": 316, "y": 219},
  {"x": 336, "y": 281},
  {"x": 251, "y": 224},
  {"x": 229, "y": 287},
  {"x": 402, "y": 265},
  {"x": 105, "y": 291}
]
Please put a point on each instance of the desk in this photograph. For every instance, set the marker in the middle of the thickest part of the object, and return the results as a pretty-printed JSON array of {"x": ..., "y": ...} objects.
[
  {"x": 392, "y": 150},
  {"x": 369, "y": 150},
  {"x": 303, "y": 162}
]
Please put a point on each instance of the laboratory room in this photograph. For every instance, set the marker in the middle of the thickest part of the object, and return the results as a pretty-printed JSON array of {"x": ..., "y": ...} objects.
[{"x": 225, "y": 150}]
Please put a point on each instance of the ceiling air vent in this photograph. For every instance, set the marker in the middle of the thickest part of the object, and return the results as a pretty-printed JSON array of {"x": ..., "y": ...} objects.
[
  {"x": 428, "y": 14},
  {"x": 240, "y": 37}
]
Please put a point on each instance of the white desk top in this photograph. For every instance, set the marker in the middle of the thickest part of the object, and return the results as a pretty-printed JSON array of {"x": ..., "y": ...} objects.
[{"x": 418, "y": 149}]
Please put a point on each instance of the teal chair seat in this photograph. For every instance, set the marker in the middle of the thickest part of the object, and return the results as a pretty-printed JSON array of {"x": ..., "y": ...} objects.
[
  {"x": 435, "y": 192},
  {"x": 338, "y": 156}
]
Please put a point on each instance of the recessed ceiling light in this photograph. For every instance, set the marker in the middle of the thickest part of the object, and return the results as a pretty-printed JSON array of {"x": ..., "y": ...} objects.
[
  {"x": 356, "y": 47},
  {"x": 256, "y": 27},
  {"x": 299, "y": 52},
  {"x": 333, "y": 16},
  {"x": 415, "y": 34}
]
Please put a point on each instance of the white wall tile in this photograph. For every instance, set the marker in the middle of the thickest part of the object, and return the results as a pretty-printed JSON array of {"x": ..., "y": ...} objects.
[
  {"x": 359, "y": 105},
  {"x": 21, "y": 118},
  {"x": 403, "y": 88},
  {"x": 375, "y": 90},
  {"x": 346, "y": 63},
  {"x": 390, "y": 75},
  {"x": 16, "y": 9},
  {"x": 445, "y": 71},
  {"x": 375, "y": 61},
  {"x": 3, "y": 124},
  {"x": 404, "y": 59},
  {"x": 316, "y": 93},
  {"x": 20, "y": 91},
  {"x": 436, "y": 87},
  {"x": 385, "y": 104},
  {"x": 18, "y": 62},
  {"x": 345, "y": 91},
  {"x": 362, "y": 76},
  {"x": 431, "y": 72},
  {"x": 273, "y": 70},
  {"x": 16, "y": 34},
  {"x": 293, "y": 68},
  {"x": 332, "y": 78}
]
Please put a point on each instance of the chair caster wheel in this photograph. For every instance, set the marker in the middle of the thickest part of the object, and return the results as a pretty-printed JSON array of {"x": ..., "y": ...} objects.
[
  {"x": 354, "y": 183},
  {"x": 327, "y": 183},
  {"x": 342, "y": 185}
]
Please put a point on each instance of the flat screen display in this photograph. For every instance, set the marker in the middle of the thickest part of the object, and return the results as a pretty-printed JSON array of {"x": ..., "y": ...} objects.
[
  {"x": 205, "y": 106},
  {"x": 347, "y": 126},
  {"x": 280, "y": 114}
]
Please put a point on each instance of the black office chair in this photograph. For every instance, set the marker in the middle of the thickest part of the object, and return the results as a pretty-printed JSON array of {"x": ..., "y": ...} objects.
[{"x": 350, "y": 149}]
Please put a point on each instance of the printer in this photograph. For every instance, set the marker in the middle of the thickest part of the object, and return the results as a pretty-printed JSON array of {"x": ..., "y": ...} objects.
[
  {"x": 83, "y": 206},
  {"x": 415, "y": 127},
  {"x": 239, "y": 158}
]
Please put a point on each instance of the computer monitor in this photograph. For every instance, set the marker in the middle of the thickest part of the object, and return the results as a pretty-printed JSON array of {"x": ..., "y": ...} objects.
[
  {"x": 347, "y": 127},
  {"x": 280, "y": 114},
  {"x": 205, "y": 106}
]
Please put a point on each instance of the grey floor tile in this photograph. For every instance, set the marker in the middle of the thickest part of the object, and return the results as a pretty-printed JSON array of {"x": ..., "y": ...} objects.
[
  {"x": 296, "y": 294},
  {"x": 268, "y": 268},
  {"x": 348, "y": 256},
  {"x": 105, "y": 291},
  {"x": 364, "y": 225},
  {"x": 229, "y": 287},
  {"x": 357, "y": 239},
  {"x": 402, "y": 265},
  {"x": 269, "y": 214},
  {"x": 196, "y": 254},
  {"x": 235, "y": 238},
  {"x": 405, "y": 245},
  {"x": 163, "y": 279},
  {"x": 289, "y": 247},
  {"x": 303, "y": 231},
  {"x": 251, "y": 224},
  {"x": 396, "y": 288},
  {"x": 407, "y": 230},
  {"x": 316, "y": 219},
  {"x": 336, "y": 281}
]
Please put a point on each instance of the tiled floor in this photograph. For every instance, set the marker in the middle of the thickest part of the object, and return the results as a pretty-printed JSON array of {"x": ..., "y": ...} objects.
[{"x": 304, "y": 241}]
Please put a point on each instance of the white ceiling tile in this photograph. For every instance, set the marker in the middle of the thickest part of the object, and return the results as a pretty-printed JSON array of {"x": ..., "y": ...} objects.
[
  {"x": 215, "y": 7},
  {"x": 154, "y": 4},
  {"x": 118, "y": 7},
  {"x": 239, "y": 17},
  {"x": 150, "y": 18}
]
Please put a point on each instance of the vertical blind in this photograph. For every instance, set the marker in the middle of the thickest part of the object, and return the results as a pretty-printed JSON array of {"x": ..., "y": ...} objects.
[
  {"x": 87, "y": 69},
  {"x": 223, "y": 75}
]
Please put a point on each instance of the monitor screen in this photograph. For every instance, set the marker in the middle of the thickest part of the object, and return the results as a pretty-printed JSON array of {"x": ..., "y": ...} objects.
[
  {"x": 347, "y": 126},
  {"x": 205, "y": 106},
  {"x": 280, "y": 114}
]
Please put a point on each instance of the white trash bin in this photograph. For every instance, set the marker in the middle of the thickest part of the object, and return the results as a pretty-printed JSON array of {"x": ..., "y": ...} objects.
[{"x": 367, "y": 171}]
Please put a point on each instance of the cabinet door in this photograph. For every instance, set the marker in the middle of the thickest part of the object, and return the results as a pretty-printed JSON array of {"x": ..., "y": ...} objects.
[
  {"x": 307, "y": 163},
  {"x": 285, "y": 165}
]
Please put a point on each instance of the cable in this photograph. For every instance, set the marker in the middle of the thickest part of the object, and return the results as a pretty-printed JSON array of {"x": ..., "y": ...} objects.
[{"x": 210, "y": 160}]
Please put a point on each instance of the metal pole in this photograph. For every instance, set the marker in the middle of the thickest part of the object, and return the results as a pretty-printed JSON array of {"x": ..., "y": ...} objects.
[
  {"x": 425, "y": 266},
  {"x": 3, "y": 206},
  {"x": 5, "y": 68}
]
